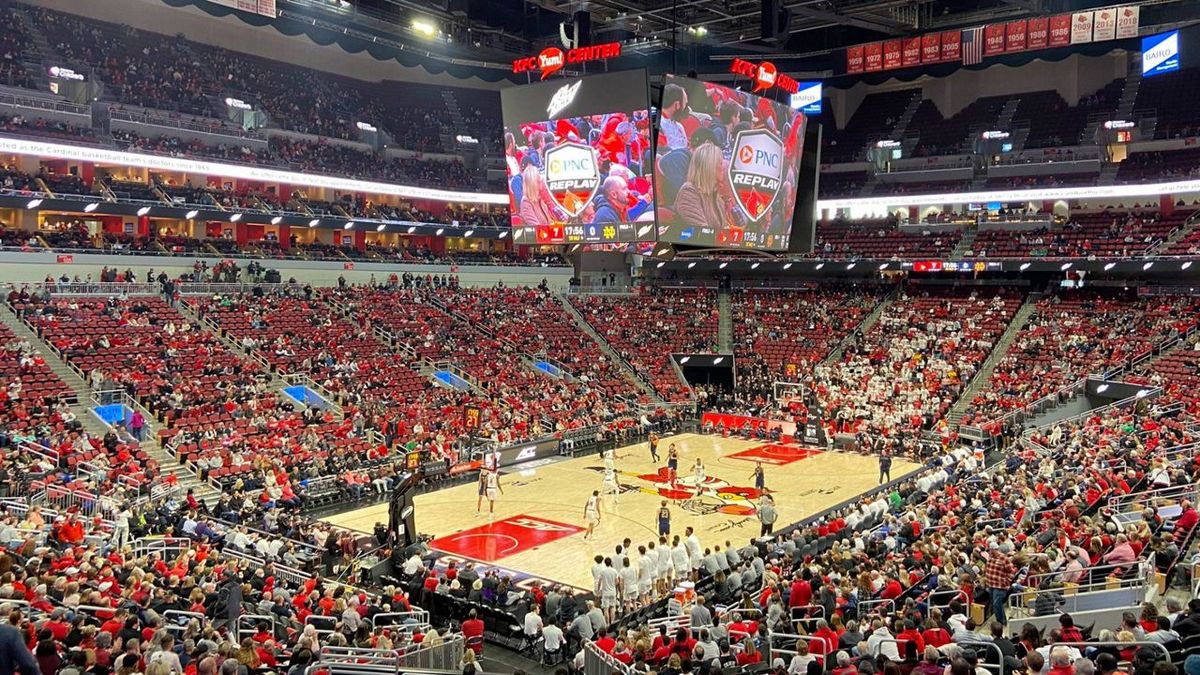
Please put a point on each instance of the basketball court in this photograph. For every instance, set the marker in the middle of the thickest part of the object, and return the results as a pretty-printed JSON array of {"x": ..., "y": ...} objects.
[{"x": 538, "y": 527}]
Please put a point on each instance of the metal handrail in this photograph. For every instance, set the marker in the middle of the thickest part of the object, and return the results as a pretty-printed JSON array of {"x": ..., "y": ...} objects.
[{"x": 1114, "y": 643}]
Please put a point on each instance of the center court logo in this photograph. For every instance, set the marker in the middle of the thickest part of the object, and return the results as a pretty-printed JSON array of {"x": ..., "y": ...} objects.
[
  {"x": 755, "y": 171},
  {"x": 572, "y": 176}
]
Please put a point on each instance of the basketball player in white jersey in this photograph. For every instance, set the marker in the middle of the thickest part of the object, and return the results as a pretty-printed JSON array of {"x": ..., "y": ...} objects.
[
  {"x": 610, "y": 485},
  {"x": 627, "y": 581},
  {"x": 665, "y": 568},
  {"x": 493, "y": 490},
  {"x": 591, "y": 513},
  {"x": 698, "y": 474},
  {"x": 608, "y": 456},
  {"x": 646, "y": 569}
]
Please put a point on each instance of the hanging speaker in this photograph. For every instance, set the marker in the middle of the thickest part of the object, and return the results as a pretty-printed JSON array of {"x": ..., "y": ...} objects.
[
  {"x": 583, "y": 29},
  {"x": 774, "y": 20}
]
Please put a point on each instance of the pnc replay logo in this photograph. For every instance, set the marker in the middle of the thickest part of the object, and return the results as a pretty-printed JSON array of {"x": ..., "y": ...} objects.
[
  {"x": 572, "y": 176},
  {"x": 756, "y": 171}
]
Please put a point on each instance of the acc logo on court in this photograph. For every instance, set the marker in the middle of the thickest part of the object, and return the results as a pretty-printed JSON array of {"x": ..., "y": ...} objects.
[
  {"x": 755, "y": 170},
  {"x": 572, "y": 175},
  {"x": 539, "y": 525}
]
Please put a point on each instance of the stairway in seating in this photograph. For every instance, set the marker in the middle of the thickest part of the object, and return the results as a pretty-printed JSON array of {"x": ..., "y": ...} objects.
[
  {"x": 867, "y": 323},
  {"x": 39, "y": 52},
  {"x": 984, "y": 375},
  {"x": 1005, "y": 118},
  {"x": 725, "y": 321},
  {"x": 966, "y": 244},
  {"x": 458, "y": 123},
  {"x": 1133, "y": 85},
  {"x": 83, "y": 391},
  {"x": 607, "y": 348},
  {"x": 1186, "y": 228},
  {"x": 91, "y": 423},
  {"x": 1108, "y": 173},
  {"x": 905, "y": 117}
]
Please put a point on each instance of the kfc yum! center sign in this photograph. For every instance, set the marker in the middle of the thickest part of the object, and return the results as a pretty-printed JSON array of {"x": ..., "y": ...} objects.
[{"x": 553, "y": 59}]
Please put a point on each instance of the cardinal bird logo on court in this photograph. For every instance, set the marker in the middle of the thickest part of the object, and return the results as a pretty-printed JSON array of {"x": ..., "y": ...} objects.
[
  {"x": 756, "y": 170},
  {"x": 713, "y": 495},
  {"x": 573, "y": 176}
]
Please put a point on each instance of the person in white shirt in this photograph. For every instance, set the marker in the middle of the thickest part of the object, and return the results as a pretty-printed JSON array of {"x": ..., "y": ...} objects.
[
  {"x": 628, "y": 585},
  {"x": 663, "y": 567},
  {"x": 881, "y": 642},
  {"x": 647, "y": 567},
  {"x": 597, "y": 568},
  {"x": 608, "y": 591},
  {"x": 412, "y": 565},
  {"x": 801, "y": 659},
  {"x": 533, "y": 623},
  {"x": 695, "y": 554},
  {"x": 591, "y": 513},
  {"x": 679, "y": 558},
  {"x": 553, "y": 639}
]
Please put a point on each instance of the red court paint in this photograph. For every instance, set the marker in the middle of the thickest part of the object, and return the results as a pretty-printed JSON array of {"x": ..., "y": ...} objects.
[
  {"x": 503, "y": 538},
  {"x": 776, "y": 454}
]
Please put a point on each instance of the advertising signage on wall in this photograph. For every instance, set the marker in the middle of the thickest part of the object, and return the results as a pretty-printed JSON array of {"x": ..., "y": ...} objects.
[
  {"x": 553, "y": 59},
  {"x": 1160, "y": 53},
  {"x": 765, "y": 76},
  {"x": 1041, "y": 32}
]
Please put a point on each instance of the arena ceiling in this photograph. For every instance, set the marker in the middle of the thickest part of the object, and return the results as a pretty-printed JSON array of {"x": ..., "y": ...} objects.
[{"x": 496, "y": 30}]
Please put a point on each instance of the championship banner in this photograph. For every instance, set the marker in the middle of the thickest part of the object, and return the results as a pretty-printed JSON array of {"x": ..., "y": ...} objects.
[
  {"x": 1128, "y": 21},
  {"x": 1037, "y": 32},
  {"x": 892, "y": 54},
  {"x": 873, "y": 58},
  {"x": 993, "y": 39},
  {"x": 1104, "y": 24},
  {"x": 1081, "y": 27},
  {"x": 931, "y": 48},
  {"x": 260, "y": 7},
  {"x": 951, "y": 45},
  {"x": 854, "y": 59},
  {"x": 1060, "y": 30},
  {"x": 1014, "y": 34},
  {"x": 912, "y": 51}
]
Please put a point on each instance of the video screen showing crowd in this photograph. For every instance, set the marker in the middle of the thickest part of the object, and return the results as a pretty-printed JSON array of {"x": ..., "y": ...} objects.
[
  {"x": 727, "y": 166},
  {"x": 580, "y": 160}
]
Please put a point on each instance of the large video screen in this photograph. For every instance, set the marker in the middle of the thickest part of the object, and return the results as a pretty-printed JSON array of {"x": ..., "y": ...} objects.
[
  {"x": 727, "y": 166},
  {"x": 580, "y": 159}
]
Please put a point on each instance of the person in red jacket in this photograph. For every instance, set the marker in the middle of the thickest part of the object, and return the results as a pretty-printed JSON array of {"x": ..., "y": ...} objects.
[
  {"x": 472, "y": 628},
  {"x": 1185, "y": 522},
  {"x": 934, "y": 635},
  {"x": 801, "y": 592},
  {"x": 892, "y": 589},
  {"x": 911, "y": 634}
]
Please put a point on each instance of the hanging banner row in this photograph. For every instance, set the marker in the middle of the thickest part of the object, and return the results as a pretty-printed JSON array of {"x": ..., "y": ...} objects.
[{"x": 1060, "y": 30}]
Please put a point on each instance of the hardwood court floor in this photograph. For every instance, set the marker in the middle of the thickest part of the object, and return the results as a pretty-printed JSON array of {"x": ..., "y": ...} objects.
[{"x": 539, "y": 522}]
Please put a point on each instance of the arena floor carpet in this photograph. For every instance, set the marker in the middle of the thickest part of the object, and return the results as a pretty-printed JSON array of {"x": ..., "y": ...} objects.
[{"x": 538, "y": 527}]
